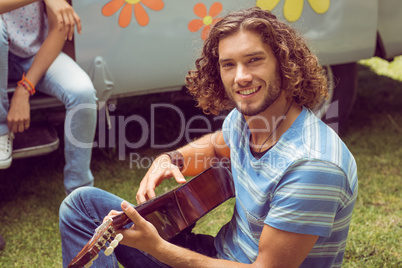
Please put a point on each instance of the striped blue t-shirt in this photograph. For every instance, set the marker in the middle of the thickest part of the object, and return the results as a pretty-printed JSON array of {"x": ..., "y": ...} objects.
[{"x": 306, "y": 183}]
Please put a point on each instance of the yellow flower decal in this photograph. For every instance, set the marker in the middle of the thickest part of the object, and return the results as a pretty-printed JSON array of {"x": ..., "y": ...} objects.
[
  {"x": 128, "y": 7},
  {"x": 293, "y": 9},
  {"x": 207, "y": 19}
]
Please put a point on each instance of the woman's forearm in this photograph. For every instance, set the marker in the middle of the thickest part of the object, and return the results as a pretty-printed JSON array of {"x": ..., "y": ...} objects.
[
  {"x": 48, "y": 52},
  {"x": 9, "y": 5}
]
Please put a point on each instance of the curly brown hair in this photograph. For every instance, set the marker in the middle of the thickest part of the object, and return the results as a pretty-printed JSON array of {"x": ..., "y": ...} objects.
[{"x": 302, "y": 76}]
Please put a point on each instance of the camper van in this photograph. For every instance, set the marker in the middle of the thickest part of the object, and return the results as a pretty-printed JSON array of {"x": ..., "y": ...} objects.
[{"x": 137, "y": 47}]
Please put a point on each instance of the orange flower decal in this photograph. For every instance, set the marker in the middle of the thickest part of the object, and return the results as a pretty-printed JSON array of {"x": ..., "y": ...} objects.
[
  {"x": 128, "y": 6},
  {"x": 207, "y": 19}
]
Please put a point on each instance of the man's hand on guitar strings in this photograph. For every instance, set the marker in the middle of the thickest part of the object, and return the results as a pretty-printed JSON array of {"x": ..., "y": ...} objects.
[
  {"x": 161, "y": 169},
  {"x": 142, "y": 234}
]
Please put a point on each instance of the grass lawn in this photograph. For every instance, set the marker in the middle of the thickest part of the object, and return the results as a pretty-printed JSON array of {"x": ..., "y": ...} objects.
[{"x": 32, "y": 189}]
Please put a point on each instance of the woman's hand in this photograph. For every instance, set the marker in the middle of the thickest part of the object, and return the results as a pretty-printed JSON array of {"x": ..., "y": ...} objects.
[
  {"x": 18, "y": 117},
  {"x": 162, "y": 168},
  {"x": 67, "y": 19}
]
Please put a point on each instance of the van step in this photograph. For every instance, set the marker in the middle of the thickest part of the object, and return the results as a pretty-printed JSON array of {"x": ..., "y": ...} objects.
[{"x": 38, "y": 140}]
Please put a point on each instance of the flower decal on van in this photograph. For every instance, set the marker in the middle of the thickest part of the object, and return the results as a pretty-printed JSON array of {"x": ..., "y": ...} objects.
[
  {"x": 293, "y": 9},
  {"x": 207, "y": 19},
  {"x": 130, "y": 7}
]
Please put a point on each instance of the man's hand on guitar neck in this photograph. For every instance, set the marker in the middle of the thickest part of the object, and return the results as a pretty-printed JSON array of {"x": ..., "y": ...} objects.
[{"x": 142, "y": 235}]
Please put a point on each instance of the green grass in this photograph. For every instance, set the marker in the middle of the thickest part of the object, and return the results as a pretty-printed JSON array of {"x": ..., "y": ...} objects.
[
  {"x": 374, "y": 136},
  {"x": 32, "y": 189}
]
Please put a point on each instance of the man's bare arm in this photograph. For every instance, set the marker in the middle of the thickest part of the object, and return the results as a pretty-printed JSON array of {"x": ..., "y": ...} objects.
[
  {"x": 276, "y": 249},
  {"x": 198, "y": 156},
  {"x": 204, "y": 153}
]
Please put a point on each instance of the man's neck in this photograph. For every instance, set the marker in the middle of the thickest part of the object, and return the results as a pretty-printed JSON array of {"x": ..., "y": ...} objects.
[{"x": 267, "y": 127}]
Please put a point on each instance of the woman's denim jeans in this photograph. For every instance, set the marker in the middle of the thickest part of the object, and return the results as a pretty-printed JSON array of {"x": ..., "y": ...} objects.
[{"x": 66, "y": 81}]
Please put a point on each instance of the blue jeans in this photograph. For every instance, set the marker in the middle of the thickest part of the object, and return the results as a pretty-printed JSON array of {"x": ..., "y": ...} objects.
[
  {"x": 66, "y": 81},
  {"x": 83, "y": 211}
]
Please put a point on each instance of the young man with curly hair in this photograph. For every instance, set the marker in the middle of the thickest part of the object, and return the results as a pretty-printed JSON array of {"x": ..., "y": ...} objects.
[{"x": 295, "y": 180}]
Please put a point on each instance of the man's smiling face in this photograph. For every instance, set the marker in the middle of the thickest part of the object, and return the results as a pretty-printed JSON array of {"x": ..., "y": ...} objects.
[{"x": 249, "y": 72}]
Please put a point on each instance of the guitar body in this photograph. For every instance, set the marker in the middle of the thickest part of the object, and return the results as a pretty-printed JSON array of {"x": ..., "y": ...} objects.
[{"x": 171, "y": 212}]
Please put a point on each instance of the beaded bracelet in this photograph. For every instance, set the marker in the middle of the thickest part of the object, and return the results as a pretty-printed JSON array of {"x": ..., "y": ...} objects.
[
  {"x": 26, "y": 84},
  {"x": 177, "y": 159}
]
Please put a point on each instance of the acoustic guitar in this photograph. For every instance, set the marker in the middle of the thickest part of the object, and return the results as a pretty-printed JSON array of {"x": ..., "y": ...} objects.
[{"x": 170, "y": 213}]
